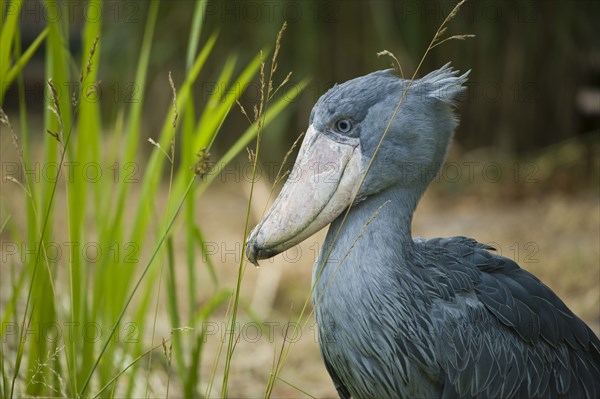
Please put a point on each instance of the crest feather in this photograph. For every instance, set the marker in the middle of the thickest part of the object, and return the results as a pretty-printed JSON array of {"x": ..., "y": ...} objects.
[{"x": 444, "y": 84}]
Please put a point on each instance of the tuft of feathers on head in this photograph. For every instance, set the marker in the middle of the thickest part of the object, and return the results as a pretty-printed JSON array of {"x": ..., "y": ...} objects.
[{"x": 444, "y": 84}]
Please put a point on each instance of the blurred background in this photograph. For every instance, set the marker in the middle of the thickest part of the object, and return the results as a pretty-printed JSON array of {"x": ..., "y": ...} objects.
[
  {"x": 534, "y": 65},
  {"x": 522, "y": 174}
]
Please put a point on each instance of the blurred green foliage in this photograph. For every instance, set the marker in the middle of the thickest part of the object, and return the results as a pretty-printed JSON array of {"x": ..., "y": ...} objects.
[{"x": 81, "y": 120}]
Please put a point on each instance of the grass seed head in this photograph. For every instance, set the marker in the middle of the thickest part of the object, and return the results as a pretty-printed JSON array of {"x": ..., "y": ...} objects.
[{"x": 203, "y": 165}]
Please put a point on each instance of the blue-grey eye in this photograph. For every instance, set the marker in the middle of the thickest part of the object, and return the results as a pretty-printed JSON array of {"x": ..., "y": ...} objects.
[{"x": 343, "y": 125}]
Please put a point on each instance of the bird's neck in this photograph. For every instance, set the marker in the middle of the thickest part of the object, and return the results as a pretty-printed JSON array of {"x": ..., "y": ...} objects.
[
  {"x": 388, "y": 214},
  {"x": 376, "y": 231}
]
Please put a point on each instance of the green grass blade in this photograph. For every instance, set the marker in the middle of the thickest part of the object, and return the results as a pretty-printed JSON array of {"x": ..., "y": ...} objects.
[
  {"x": 197, "y": 20},
  {"x": 87, "y": 148},
  {"x": 135, "y": 288},
  {"x": 188, "y": 127},
  {"x": 274, "y": 109},
  {"x": 173, "y": 307},
  {"x": 215, "y": 116},
  {"x": 7, "y": 34},
  {"x": 20, "y": 63},
  {"x": 153, "y": 168},
  {"x": 201, "y": 243},
  {"x": 192, "y": 375},
  {"x": 41, "y": 292},
  {"x": 207, "y": 131},
  {"x": 213, "y": 112},
  {"x": 135, "y": 117},
  {"x": 133, "y": 129},
  {"x": 124, "y": 369}
]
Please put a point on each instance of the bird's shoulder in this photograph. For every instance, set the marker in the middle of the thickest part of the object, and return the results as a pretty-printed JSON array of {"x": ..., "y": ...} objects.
[
  {"x": 513, "y": 295},
  {"x": 506, "y": 316}
]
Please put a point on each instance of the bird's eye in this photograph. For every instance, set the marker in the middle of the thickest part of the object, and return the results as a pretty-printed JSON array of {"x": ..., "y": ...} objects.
[{"x": 343, "y": 125}]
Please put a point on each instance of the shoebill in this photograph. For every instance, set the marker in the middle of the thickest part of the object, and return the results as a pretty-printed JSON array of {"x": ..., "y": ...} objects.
[{"x": 406, "y": 317}]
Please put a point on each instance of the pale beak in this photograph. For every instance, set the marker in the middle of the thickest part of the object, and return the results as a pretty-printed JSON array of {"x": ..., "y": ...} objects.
[{"x": 323, "y": 182}]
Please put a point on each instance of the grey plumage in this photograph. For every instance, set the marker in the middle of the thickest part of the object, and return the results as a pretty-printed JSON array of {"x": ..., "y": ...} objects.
[{"x": 408, "y": 317}]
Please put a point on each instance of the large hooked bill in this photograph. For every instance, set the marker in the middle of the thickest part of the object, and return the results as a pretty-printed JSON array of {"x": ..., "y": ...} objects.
[{"x": 322, "y": 184}]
